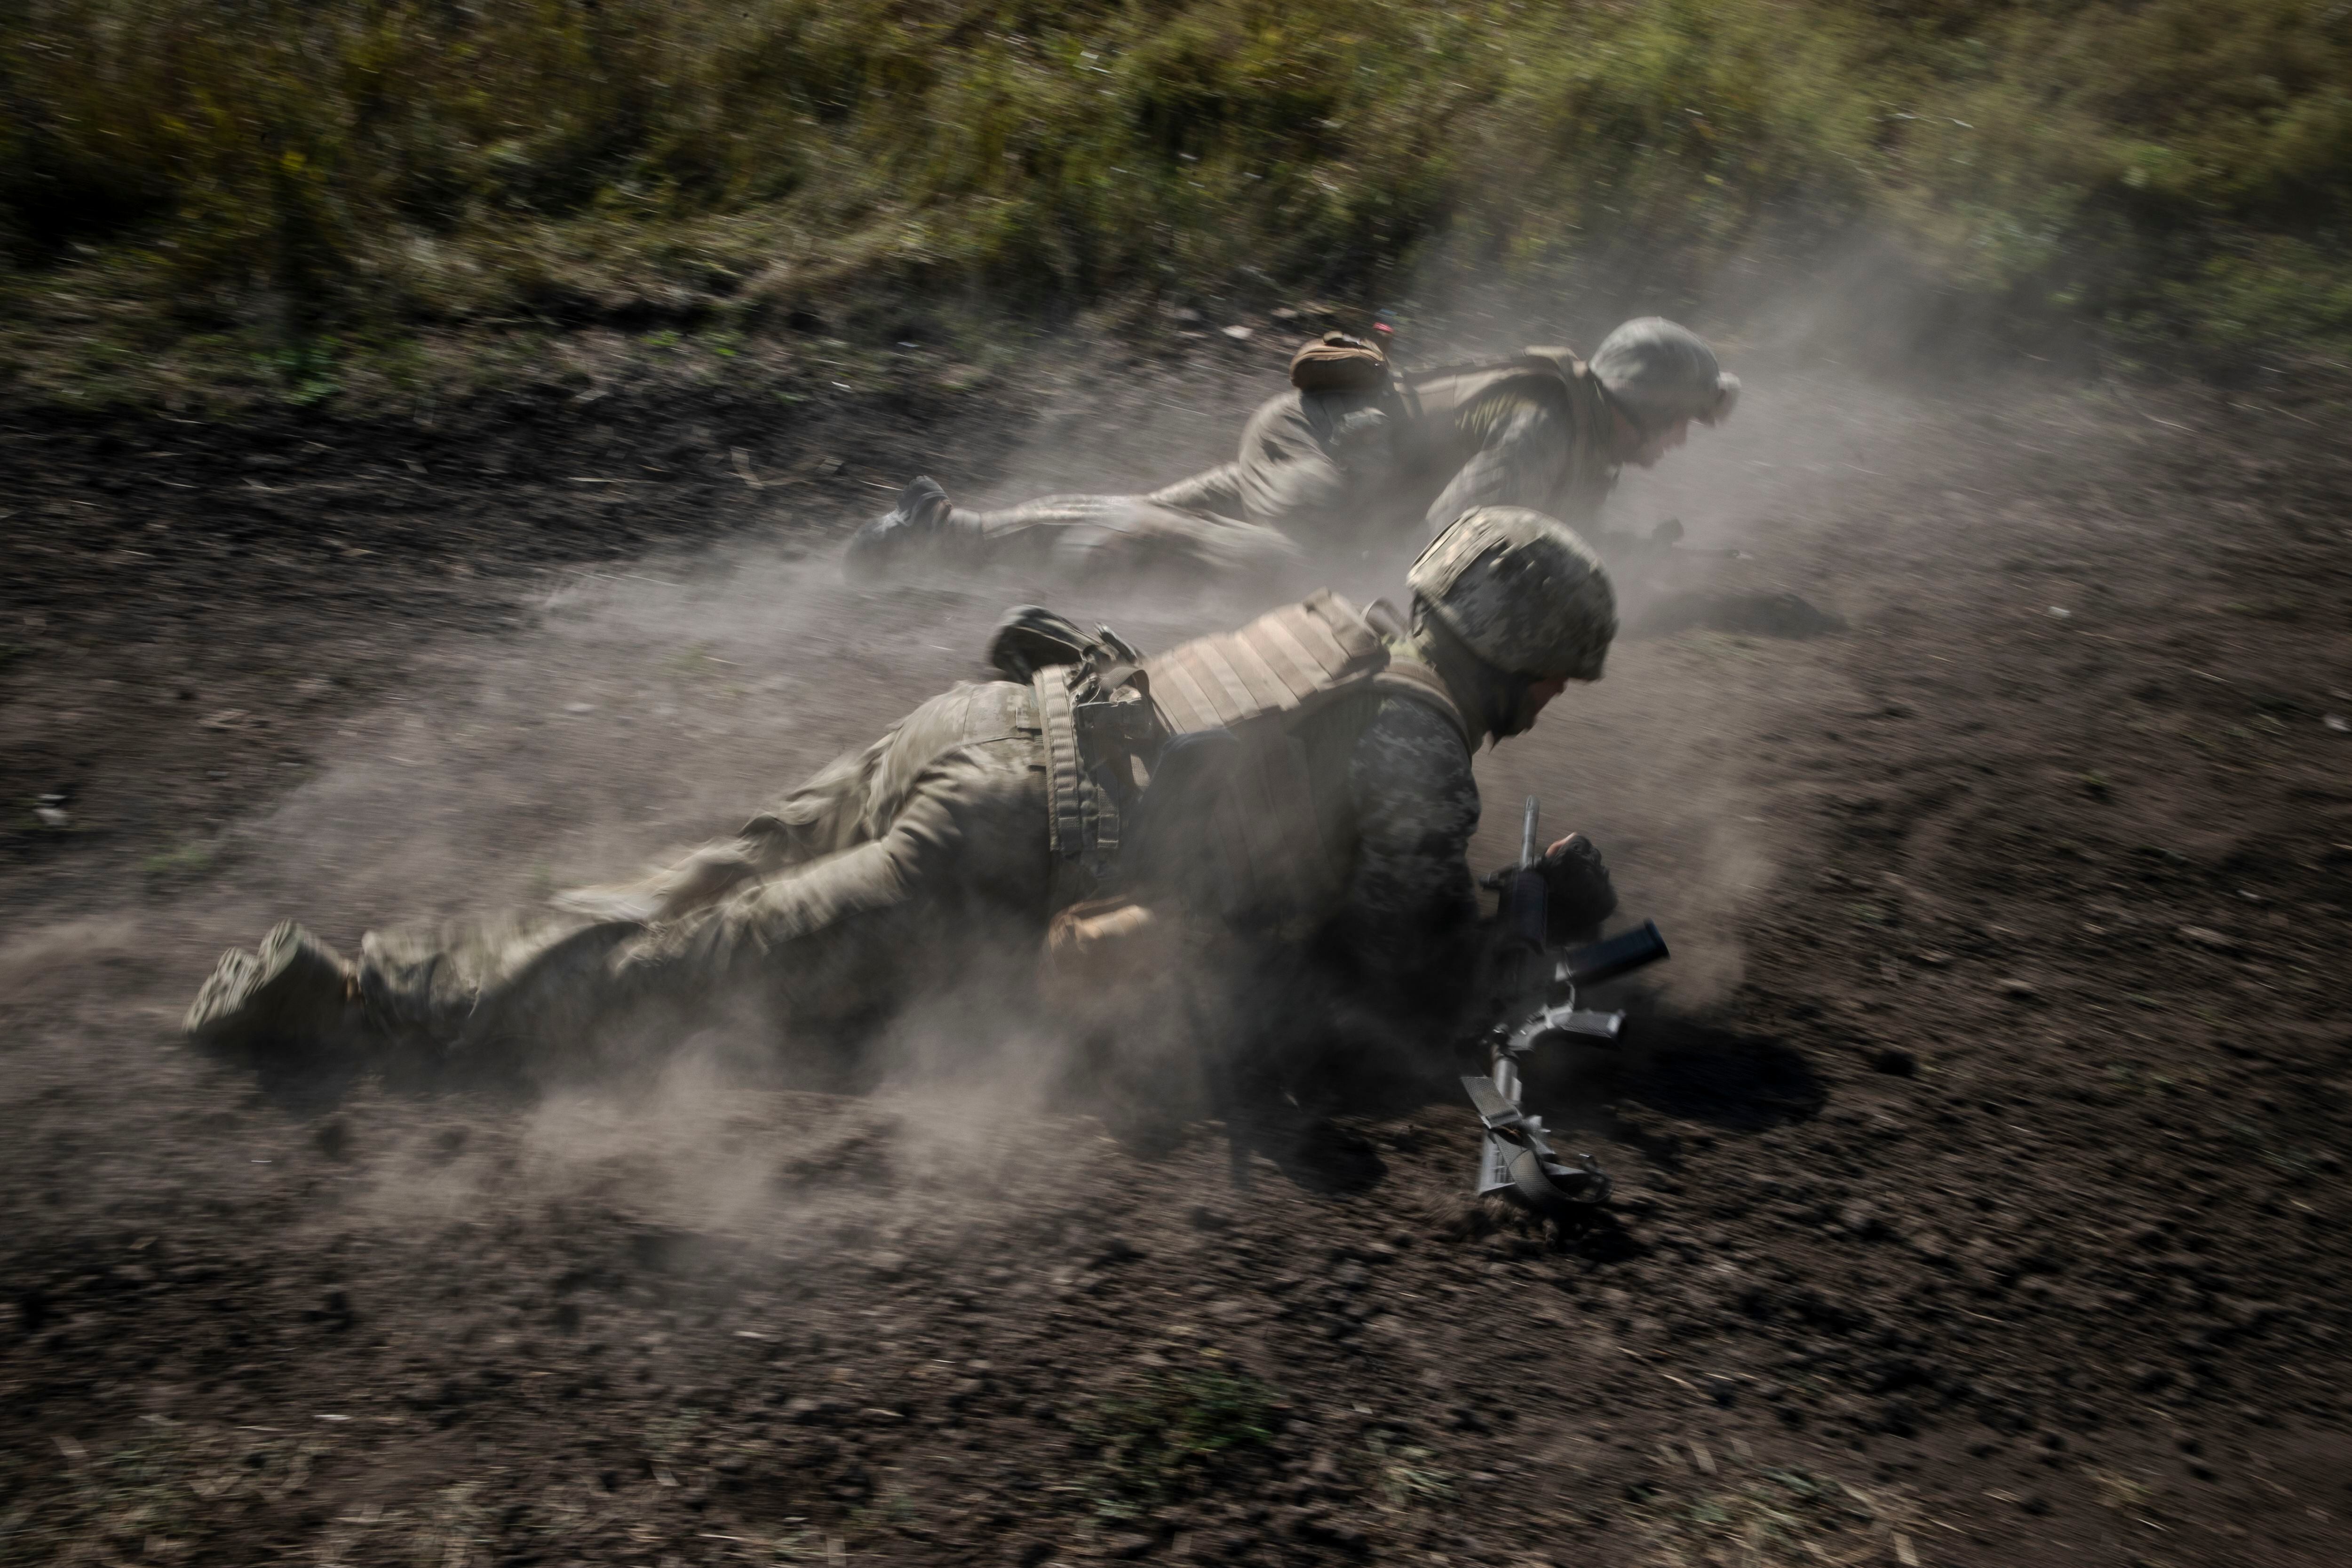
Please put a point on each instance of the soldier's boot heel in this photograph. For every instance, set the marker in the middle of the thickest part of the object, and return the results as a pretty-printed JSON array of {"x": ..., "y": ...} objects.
[
  {"x": 293, "y": 992},
  {"x": 918, "y": 519}
]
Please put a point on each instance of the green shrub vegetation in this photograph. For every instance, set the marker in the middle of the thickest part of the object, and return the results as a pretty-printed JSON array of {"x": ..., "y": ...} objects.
[
  {"x": 1175, "y": 1435},
  {"x": 282, "y": 169}
]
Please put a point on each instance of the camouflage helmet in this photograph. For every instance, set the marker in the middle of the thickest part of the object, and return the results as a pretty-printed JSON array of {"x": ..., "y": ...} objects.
[
  {"x": 1521, "y": 591},
  {"x": 1661, "y": 372}
]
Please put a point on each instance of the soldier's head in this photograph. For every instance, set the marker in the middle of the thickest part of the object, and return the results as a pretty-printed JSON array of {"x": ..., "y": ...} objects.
[
  {"x": 1518, "y": 605},
  {"x": 1659, "y": 377}
]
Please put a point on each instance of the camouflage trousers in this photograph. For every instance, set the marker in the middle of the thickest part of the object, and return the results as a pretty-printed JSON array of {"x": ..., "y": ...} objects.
[
  {"x": 827, "y": 907},
  {"x": 1317, "y": 472}
]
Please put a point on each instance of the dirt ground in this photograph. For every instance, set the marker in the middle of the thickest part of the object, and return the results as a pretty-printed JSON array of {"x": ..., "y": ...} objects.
[{"x": 1980, "y": 1150}]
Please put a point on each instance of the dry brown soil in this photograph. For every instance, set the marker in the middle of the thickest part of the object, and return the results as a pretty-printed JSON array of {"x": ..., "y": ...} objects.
[{"x": 1980, "y": 1147}]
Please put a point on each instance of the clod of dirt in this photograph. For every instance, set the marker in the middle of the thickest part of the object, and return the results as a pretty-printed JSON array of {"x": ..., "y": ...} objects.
[{"x": 334, "y": 1139}]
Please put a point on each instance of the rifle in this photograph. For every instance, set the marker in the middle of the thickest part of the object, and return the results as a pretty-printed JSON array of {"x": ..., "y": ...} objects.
[{"x": 1536, "y": 992}]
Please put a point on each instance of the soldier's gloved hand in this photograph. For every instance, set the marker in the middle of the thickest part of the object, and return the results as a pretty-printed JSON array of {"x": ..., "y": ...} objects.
[{"x": 1580, "y": 895}]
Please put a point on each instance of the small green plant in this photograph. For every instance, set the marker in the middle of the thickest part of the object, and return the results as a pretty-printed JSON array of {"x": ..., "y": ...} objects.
[
  {"x": 1174, "y": 1435},
  {"x": 184, "y": 860},
  {"x": 305, "y": 370}
]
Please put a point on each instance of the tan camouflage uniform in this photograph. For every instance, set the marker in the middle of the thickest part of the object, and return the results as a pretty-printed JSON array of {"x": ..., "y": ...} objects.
[
  {"x": 1327, "y": 469},
  {"x": 1310, "y": 795},
  {"x": 877, "y": 874},
  {"x": 934, "y": 832}
]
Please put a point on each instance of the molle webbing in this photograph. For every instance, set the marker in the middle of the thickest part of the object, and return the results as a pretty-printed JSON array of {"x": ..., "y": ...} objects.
[
  {"x": 1294, "y": 658},
  {"x": 1266, "y": 850},
  {"x": 1082, "y": 818},
  {"x": 1064, "y": 775},
  {"x": 1274, "y": 664}
]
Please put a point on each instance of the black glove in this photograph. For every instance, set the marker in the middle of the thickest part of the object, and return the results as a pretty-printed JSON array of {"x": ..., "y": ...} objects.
[{"x": 1578, "y": 893}]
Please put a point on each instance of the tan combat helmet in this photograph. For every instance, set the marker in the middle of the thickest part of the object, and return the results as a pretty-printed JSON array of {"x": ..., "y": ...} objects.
[
  {"x": 1521, "y": 591},
  {"x": 1660, "y": 372}
]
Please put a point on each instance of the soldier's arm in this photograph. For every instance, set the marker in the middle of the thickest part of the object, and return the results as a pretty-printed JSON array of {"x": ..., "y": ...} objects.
[
  {"x": 1521, "y": 451},
  {"x": 1410, "y": 923}
]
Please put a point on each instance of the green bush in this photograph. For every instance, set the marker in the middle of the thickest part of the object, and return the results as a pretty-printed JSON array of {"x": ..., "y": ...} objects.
[
  {"x": 2169, "y": 168},
  {"x": 1175, "y": 1435}
]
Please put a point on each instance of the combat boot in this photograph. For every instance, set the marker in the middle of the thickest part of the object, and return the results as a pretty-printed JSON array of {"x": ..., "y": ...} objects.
[
  {"x": 295, "y": 992},
  {"x": 918, "y": 520}
]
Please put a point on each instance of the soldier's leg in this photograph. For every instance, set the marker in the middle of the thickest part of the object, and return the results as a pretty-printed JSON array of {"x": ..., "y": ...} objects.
[
  {"x": 1075, "y": 536},
  {"x": 817, "y": 940},
  {"x": 962, "y": 841},
  {"x": 1216, "y": 491},
  {"x": 822, "y": 816},
  {"x": 424, "y": 982},
  {"x": 847, "y": 933}
]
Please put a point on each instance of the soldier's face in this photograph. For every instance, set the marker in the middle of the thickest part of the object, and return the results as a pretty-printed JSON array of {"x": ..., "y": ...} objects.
[
  {"x": 1653, "y": 445},
  {"x": 1533, "y": 696}
]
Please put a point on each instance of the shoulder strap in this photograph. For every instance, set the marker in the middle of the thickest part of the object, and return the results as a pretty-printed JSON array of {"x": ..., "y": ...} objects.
[
  {"x": 1556, "y": 363},
  {"x": 1412, "y": 678},
  {"x": 1437, "y": 395},
  {"x": 1564, "y": 363},
  {"x": 1065, "y": 772}
]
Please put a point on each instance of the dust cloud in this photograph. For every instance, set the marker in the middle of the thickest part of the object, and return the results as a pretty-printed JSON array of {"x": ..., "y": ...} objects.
[{"x": 658, "y": 704}]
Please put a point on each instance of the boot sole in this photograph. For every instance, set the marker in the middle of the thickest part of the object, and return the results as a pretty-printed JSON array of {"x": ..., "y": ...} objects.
[{"x": 289, "y": 989}]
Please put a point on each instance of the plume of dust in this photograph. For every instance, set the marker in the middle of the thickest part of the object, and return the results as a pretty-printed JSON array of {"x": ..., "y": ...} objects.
[
  {"x": 1660, "y": 763},
  {"x": 741, "y": 1128},
  {"x": 659, "y": 707},
  {"x": 652, "y": 708}
]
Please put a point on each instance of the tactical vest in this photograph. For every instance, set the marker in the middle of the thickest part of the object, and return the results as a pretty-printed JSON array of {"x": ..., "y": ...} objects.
[
  {"x": 1436, "y": 395},
  {"x": 1428, "y": 404},
  {"x": 1240, "y": 831}
]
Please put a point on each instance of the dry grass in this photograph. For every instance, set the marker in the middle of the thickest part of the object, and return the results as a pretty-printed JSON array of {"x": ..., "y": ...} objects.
[
  {"x": 226, "y": 179},
  {"x": 1784, "y": 1518}
]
